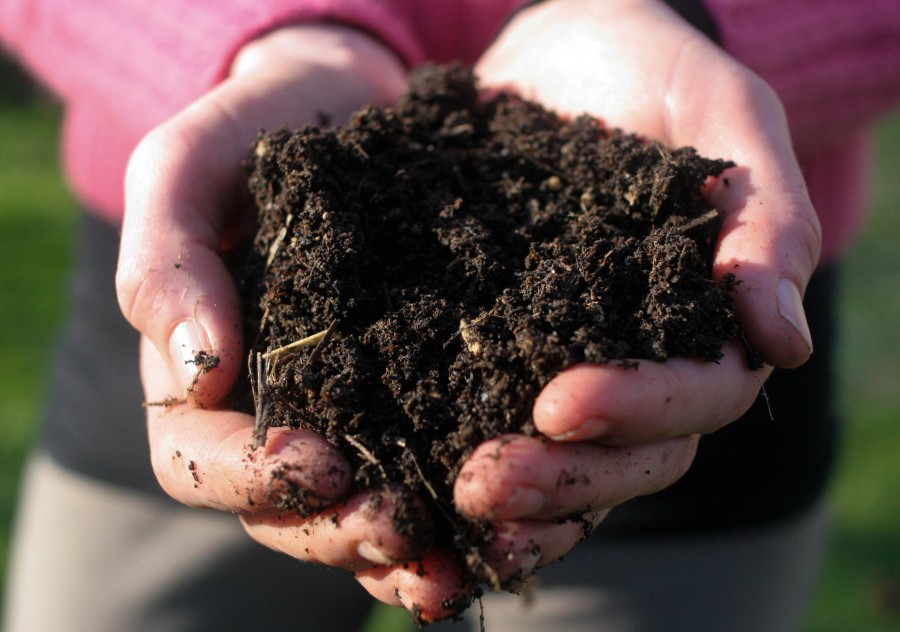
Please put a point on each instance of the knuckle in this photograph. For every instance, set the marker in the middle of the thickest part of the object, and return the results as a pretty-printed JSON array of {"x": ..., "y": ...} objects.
[
  {"x": 685, "y": 454},
  {"x": 673, "y": 460},
  {"x": 807, "y": 232},
  {"x": 149, "y": 152},
  {"x": 138, "y": 291}
]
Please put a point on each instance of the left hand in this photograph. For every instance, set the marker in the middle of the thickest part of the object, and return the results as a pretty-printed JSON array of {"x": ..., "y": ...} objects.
[
  {"x": 613, "y": 434},
  {"x": 186, "y": 199}
]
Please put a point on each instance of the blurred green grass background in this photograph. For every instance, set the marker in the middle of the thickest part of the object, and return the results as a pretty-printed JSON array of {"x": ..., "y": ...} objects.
[{"x": 860, "y": 587}]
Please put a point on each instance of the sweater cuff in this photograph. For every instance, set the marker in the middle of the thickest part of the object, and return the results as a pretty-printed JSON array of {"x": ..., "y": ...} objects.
[{"x": 835, "y": 64}]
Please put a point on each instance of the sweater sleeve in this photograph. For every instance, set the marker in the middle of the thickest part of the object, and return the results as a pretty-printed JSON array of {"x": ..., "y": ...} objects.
[
  {"x": 145, "y": 60},
  {"x": 834, "y": 63},
  {"x": 123, "y": 66}
]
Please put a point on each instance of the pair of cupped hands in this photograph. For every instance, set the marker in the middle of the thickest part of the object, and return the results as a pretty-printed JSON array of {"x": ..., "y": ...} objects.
[{"x": 633, "y": 63}]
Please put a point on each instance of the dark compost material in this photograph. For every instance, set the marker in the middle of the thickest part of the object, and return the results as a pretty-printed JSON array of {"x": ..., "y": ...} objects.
[{"x": 455, "y": 255}]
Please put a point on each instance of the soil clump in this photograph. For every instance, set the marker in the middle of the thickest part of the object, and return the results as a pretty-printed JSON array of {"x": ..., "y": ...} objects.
[{"x": 454, "y": 254}]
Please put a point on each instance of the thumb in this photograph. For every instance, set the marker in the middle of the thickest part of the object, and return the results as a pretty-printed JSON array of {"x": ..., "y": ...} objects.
[
  {"x": 770, "y": 243},
  {"x": 185, "y": 184},
  {"x": 770, "y": 237},
  {"x": 171, "y": 281}
]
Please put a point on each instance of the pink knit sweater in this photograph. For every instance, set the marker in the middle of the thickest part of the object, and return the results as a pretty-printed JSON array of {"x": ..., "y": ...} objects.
[
  {"x": 836, "y": 66},
  {"x": 121, "y": 67}
]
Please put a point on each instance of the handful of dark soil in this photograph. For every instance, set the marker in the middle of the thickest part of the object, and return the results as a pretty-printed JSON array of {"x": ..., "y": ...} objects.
[{"x": 455, "y": 255}]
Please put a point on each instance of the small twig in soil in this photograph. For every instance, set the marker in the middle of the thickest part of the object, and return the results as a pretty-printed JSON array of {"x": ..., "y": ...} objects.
[
  {"x": 472, "y": 343},
  {"x": 698, "y": 221},
  {"x": 366, "y": 454},
  {"x": 322, "y": 342},
  {"x": 474, "y": 557},
  {"x": 259, "y": 379},
  {"x": 402, "y": 443},
  {"x": 292, "y": 348},
  {"x": 548, "y": 168},
  {"x": 363, "y": 450},
  {"x": 765, "y": 394},
  {"x": 465, "y": 325},
  {"x": 422, "y": 476},
  {"x": 755, "y": 363},
  {"x": 165, "y": 403},
  {"x": 478, "y": 596},
  {"x": 261, "y": 365},
  {"x": 264, "y": 320},
  {"x": 279, "y": 239},
  {"x": 205, "y": 362}
]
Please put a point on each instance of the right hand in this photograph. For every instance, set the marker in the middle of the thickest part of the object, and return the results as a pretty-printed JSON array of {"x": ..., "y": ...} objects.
[
  {"x": 620, "y": 433},
  {"x": 186, "y": 199}
]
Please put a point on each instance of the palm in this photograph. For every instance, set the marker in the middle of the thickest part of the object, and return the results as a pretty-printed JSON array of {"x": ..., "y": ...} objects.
[
  {"x": 614, "y": 67},
  {"x": 636, "y": 66}
]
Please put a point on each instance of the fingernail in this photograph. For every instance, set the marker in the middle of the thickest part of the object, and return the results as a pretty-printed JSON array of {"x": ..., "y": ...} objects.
[
  {"x": 590, "y": 429},
  {"x": 523, "y": 501},
  {"x": 369, "y": 551},
  {"x": 527, "y": 565},
  {"x": 188, "y": 338},
  {"x": 530, "y": 561},
  {"x": 408, "y": 603},
  {"x": 790, "y": 306}
]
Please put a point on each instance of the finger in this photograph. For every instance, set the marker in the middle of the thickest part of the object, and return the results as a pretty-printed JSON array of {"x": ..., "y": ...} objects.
[
  {"x": 436, "y": 588},
  {"x": 372, "y": 528},
  {"x": 185, "y": 188},
  {"x": 181, "y": 189},
  {"x": 432, "y": 589},
  {"x": 654, "y": 401},
  {"x": 519, "y": 547},
  {"x": 770, "y": 242},
  {"x": 771, "y": 238},
  {"x": 517, "y": 476},
  {"x": 204, "y": 458},
  {"x": 213, "y": 465}
]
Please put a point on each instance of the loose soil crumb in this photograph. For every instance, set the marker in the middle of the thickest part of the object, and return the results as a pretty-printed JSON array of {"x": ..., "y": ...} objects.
[{"x": 462, "y": 253}]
